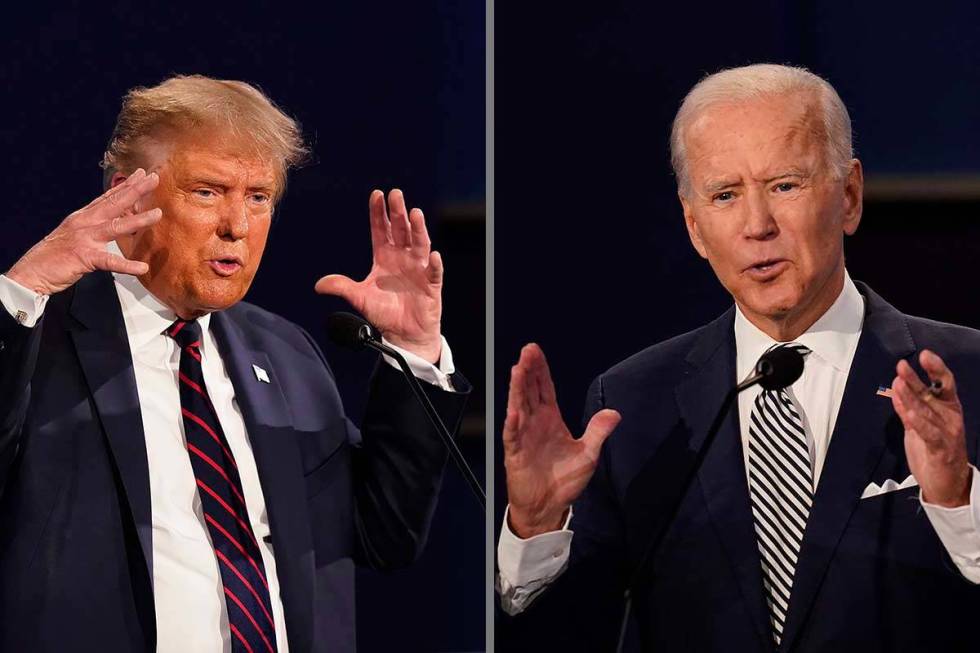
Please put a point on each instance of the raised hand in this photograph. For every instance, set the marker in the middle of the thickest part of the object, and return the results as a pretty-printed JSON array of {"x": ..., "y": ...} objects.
[
  {"x": 78, "y": 245},
  {"x": 547, "y": 468},
  {"x": 402, "y": 294},
  {"x": 935, "y": 441}
]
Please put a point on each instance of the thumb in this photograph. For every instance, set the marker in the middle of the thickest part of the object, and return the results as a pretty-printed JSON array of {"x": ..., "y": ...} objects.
[
  {"x": 600, "y": 427},
  {"x": 336, "y": 284}
]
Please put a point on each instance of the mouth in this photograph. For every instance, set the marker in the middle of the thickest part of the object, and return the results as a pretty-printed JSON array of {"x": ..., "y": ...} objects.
[
  {"x": 766, "y": 269},
  {"x": 226, "y": 266}
]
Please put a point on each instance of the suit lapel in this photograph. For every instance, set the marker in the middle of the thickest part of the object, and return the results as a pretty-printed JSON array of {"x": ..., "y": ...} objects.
[
  {"x": 103, "y": 351},
  {"x": 856, "y": 446},
  {"x": 269, "y": 426},
  {"x": 722, "y": 473}
]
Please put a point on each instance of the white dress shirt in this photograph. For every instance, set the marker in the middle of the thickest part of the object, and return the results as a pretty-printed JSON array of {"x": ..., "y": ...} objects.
[
  {"x": 526, "y": 566},
  {"x": 191, "y": 614}
]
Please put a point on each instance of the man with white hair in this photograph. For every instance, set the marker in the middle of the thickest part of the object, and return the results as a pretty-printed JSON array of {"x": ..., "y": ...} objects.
[
  {"x": 840, "y": 512},
  {"x": 177, "y": 472}
]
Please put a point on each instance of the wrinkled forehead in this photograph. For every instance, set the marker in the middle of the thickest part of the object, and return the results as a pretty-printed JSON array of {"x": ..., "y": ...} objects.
[
  {"x": 214, "y": 154},
  {"x": 774, "y": 129}
]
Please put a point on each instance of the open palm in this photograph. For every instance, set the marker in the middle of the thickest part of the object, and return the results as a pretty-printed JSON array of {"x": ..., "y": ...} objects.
[
  {"x": 402, "y": 294},
  {"x": 547, "y": 468}
]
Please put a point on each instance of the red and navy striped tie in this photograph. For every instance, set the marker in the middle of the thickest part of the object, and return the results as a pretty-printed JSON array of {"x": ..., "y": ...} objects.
[{"x": 243, "y": 576}]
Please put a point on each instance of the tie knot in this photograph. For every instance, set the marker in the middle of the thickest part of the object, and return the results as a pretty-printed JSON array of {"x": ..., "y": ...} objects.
[{"x": 186, "y": 332}]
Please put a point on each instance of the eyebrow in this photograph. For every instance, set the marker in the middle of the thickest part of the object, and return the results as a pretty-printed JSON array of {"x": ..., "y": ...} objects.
[
  {"x": 722, "y": 184},
  {"x": 791, "y": 172},
  {"x": 264, "y": 185}
]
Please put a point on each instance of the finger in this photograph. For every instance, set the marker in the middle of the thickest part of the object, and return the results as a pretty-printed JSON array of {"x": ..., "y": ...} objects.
[
  {"x": 901, "y": 409},
  {"x": 525, "y": 373},
  {"x": 120, "y": 225},
  {"x": 104, "y": 260},
  {"x": 380, "y": 229},
  {"x": 338, "y": 285},
  {"x": 400, "y": 230},
  {"x": 434, "y": 271},
  {"x": 600, "y": 427},
  {"x": 910, "y": 376},
  {"x": 123, "y": 201},
  {"x": 420, "y": 235},
  {"x": 936, "y": 368},
  {"x": 515, "y": 402},
  {"x": 518, "y": 400},
  {"x": 923, "y": 428},
  {"x": 543, "y": 383},
  {"x": 136, "y": 176},
  {"x": 917, "y": 414}
]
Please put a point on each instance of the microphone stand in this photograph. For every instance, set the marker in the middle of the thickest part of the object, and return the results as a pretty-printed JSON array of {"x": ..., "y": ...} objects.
[
  {"x": 367, "y": 337},
  {"x": 764, "y": 370}
]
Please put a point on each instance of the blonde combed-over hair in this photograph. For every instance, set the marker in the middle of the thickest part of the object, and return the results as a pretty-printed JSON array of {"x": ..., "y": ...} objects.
[{"x": 183, "y": 104}]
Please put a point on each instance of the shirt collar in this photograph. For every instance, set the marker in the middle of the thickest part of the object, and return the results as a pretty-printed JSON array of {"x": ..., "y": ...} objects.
[
  {"x": 146, "y": 317},
  {"x": 832, "y": 338}
]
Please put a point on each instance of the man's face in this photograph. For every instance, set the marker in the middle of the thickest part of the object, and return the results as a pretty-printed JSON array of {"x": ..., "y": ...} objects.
[
  {"x": 765, "y": 210},
  {"x": 217, "y": 208}
]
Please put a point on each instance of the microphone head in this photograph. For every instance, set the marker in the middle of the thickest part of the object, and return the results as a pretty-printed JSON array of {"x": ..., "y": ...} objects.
[
  {"x": 779, "y": 367},
  {"x": 349, "y": 330}
]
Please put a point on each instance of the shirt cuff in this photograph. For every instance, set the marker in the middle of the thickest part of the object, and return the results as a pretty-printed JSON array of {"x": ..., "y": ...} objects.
[
  {"x": 959, "y": 530},
  {"x": 527, "y": 566},
  {"x": 422, "y": 369},
  {"x": 23, "y": 304}
]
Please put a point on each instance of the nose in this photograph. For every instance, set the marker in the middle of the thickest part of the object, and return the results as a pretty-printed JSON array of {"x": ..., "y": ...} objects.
[
  {"x": 234, "y": 222},
  {"x": 760, "y": 224}
]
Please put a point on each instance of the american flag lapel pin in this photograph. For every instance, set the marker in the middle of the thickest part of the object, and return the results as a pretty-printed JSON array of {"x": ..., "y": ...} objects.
[
  {"x": 884, "y": 391},
  {"x": 261, "y": 374}
]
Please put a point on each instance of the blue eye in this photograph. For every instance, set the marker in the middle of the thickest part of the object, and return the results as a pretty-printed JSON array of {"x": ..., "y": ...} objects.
[
  {"x": 204, "y": 192},
  {"x": 724, "y": 196}
]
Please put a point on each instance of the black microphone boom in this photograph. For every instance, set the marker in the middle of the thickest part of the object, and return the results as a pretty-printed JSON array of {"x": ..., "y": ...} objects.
[
  {"x": 354, "y": 332},
  {"x": 777, "y": 368}
]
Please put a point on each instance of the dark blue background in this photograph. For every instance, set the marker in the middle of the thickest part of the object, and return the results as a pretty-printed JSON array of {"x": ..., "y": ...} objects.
[
  {"x": 389, "y": 94},
  {"x": 592, "y": 258}
]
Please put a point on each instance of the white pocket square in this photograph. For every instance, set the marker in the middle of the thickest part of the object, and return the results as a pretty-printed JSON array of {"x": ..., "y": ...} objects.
[{"x": 889, "y": 485}]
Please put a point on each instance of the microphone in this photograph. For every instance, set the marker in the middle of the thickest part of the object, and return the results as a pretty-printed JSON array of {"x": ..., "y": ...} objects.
[
  {"x": 354, "y": 332},
  {"x": 350, "y": 331},
  {"x": 778, "y": 368}
]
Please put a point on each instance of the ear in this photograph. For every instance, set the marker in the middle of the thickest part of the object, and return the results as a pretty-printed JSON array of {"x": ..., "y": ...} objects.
[
  {"x": 117, "y": 178},
  {"x": 853, "y": 197},
  {"x": 693, "y": 231}
]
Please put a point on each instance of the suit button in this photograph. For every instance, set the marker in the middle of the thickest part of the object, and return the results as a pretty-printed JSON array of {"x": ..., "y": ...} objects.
[{"x": 3, "y": 345}]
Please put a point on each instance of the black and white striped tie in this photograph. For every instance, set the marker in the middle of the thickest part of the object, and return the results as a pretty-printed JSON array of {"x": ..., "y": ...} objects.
[{"x": 781, "y": 491}]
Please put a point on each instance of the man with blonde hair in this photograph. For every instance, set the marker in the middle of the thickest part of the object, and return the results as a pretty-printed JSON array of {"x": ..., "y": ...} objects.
[
  {"x": 176, "y": 469},
  {"x": 840, "y": 512}
]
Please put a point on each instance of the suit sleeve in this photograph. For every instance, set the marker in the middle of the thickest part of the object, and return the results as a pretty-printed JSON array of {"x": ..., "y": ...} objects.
[
  {"x": 398, "y": 466},
  {"x": 398, "y": 459},
  {"x": 582, "y": 608},
  {"x": 19, "y": 347}
]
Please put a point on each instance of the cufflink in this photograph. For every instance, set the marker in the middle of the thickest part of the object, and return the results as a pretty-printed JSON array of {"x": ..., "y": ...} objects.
[{"x": 21, "y": 317}]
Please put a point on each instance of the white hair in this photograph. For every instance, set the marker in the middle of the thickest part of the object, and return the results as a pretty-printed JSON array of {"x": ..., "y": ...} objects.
[{"x": 757, "y": 81}]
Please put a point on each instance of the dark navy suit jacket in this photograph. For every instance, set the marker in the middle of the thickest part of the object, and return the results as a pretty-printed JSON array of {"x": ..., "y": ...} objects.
[
  {"x": 75, "y": 524},
  {"x": 872, "y": 574}
]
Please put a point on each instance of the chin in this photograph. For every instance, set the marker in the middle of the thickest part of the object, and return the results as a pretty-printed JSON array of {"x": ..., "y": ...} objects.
[
  {"x": 773, "y": 302},
  {"x": 210, "y": 301}
]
